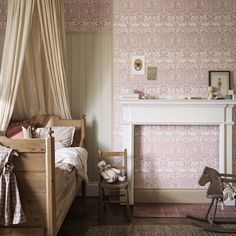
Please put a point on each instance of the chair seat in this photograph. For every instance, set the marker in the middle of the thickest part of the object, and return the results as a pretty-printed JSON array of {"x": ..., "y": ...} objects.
[
  {"x": 219, "y": 196},
  {"x": 116, "y": 184}
]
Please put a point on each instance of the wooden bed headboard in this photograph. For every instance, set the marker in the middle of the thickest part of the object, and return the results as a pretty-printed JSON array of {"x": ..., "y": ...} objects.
[{"x": 49, "y": 121}]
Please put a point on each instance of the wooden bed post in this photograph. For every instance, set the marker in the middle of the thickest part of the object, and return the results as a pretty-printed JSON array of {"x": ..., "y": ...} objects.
[
  {"x": 83, "y": 131},
  {"x": 83, "y": 144},
  {"x": 50, "y": 185}
]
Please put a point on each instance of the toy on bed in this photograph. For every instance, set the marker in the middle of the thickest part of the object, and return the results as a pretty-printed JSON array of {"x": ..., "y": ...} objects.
[{"x": 110, "y": 174}]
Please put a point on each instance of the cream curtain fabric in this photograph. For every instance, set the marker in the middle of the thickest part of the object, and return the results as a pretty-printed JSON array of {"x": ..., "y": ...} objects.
[
  {"x": 36, "y": 57},
  {"x": 35, "y": 80},
  {"x": 32, "y": 84},
  {"x": 51, "y": 15},
  {"x": 16, "y": 38}
]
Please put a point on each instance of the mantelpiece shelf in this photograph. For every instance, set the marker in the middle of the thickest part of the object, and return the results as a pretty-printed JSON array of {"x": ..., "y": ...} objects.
[{"x": 178, "y": 101}]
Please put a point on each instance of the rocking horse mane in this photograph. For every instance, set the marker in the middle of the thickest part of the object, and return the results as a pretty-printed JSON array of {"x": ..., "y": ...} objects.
[{"x": 211, "y": 175}]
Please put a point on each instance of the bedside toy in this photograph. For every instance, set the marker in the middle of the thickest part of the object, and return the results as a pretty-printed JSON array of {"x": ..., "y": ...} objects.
[{"x": 110, "y": 174}]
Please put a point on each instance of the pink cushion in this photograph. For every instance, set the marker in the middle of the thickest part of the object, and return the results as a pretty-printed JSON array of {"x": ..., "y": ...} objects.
[
  {"x": 16, "y": 126},
  {"x": 18, "y": 135}
]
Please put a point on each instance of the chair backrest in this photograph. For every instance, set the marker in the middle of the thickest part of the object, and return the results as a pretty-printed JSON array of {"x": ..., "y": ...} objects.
[{"x": 115, "y": 159}]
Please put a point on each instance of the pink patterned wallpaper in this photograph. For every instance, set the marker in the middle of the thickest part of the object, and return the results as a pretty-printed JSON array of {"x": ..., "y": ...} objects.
[
  {"x": 80, "y": 15},
  {"x": 166, "y": 157},
  {"x": 3, "y": 14},
  {"x": 88, "y": 15},
  {"x": 184, "y": 39}
]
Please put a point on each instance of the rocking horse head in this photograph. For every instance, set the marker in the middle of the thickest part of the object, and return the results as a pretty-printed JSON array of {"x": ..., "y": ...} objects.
[
  {"x": 211, "y": 175},
  {"x": 208, "y": 175}
]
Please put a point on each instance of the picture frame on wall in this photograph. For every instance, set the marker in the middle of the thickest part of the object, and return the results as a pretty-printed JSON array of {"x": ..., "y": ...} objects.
[
  {"x": 138, "y": 64},
  {"x": 220, "y": 82}
]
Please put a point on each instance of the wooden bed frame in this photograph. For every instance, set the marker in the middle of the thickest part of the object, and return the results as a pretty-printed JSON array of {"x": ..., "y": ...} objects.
[{"x": 35, "y": 172}]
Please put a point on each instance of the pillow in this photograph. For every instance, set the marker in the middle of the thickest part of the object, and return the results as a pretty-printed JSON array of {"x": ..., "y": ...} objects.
[
  {"x": 16, "y": 126},
  {"x": 61, "y": 134},
  {"x": 76, "y": 137},
  {"x": 58, "y": 145},
  {"x": 27, "y": 132}
]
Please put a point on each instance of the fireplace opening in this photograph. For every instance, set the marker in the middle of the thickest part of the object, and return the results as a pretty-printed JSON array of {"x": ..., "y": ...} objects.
[{"x": 173, "y": 156}]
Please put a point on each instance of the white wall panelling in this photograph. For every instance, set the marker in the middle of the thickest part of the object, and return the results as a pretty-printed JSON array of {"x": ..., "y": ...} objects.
[{"x": 89, "y": 71}]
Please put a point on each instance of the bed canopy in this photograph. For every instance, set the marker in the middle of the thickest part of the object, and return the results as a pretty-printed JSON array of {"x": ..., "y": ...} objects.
[{"x": 32, "y": 77}]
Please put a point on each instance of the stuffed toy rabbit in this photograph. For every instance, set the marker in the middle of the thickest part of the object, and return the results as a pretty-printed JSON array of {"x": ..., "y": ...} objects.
[{"x": 110, "y": 174}]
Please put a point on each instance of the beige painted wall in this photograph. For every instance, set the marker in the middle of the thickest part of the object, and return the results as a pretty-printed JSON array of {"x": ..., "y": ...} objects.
[{"x": 89, "y": 72}]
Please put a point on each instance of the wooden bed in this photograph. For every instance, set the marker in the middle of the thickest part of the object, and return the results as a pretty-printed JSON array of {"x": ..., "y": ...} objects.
[{"x": 45, "y": 203}]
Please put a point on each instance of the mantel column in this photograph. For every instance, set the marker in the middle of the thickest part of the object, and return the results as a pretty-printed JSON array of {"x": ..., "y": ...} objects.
[
  {"x": 128, "y": 143},
  {"x": 229, "y": 139}
]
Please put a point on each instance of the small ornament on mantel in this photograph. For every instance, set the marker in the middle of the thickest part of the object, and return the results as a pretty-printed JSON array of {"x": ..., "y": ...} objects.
[
  {"x": 210, "y": 94},
  {"x": 146, "y": 96}
]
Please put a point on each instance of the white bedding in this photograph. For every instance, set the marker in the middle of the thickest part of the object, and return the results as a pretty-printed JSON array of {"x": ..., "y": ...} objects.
[{"x": 72, "y": 157}]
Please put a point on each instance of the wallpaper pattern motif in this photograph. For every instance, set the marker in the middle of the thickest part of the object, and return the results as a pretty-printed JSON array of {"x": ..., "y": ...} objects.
[
  {"x": 3, "y": 14},
  {"x": 80, "y": 15},
  {"x": 184, "y": 39},
  {"x": 88, "y": 15},
  {"x": 166, "y": 156}
]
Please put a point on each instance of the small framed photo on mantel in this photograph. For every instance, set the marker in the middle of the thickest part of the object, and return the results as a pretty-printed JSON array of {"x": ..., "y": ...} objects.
[{"x": 220, "y": 82}]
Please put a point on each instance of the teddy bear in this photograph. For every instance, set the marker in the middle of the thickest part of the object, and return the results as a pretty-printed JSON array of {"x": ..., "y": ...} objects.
[
  {"x": 110, "y": 174},
  {"x": 210, "y": 94}
]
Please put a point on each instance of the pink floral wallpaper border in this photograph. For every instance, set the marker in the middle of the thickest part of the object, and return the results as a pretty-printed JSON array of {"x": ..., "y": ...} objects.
[
  {"x": 80, "y": 15},
  {"x": 88, "y": 15},
  {"x": 184, "y": 39},
  {"x": 3, "y": 14}
]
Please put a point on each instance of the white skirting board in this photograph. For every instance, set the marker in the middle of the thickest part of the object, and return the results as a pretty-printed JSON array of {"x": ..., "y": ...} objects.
[
  {"x": 161, "y": 195},
  {"x": 154, "y": 195},
  {"x": 158, "y": 195},
  {"x": 170, "y": 195}
]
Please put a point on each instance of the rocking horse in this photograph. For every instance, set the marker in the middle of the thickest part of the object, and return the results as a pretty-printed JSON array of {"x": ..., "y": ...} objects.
[{"x": 218, "y": 182}]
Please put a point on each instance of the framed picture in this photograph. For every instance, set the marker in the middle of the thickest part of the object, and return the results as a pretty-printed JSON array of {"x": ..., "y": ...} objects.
[
  {"x": 220, "y": 81},
  {"x": 138, "y": 65},
  {"x": 151, "y": 72}
]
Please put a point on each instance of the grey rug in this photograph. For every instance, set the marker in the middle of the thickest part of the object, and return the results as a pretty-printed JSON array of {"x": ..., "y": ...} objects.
[{"x": 149, "y": 230}]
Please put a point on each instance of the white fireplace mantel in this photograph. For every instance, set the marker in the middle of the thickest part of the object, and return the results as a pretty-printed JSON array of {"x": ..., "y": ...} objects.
[{"x": 178, "y": 112}]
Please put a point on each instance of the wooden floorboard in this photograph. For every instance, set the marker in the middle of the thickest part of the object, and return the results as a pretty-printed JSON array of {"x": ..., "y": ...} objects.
[{"x": 83, "y": 213}]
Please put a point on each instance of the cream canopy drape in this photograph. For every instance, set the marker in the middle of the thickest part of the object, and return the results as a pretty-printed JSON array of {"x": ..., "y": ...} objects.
[
  {"x": 53, "y": 34},
  {"x": 34, "y": 61},
  {"x": 33, "y": 78},
  {"x": 16, "y": 38}
]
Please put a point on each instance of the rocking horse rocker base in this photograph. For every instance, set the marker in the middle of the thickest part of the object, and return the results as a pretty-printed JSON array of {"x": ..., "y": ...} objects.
[
  {"x": 215, "y": 192},
  {"x": 211, "y": 223}
]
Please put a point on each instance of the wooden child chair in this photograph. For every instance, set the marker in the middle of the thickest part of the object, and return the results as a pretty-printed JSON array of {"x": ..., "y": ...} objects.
[{"x": 107, "y": 190}]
